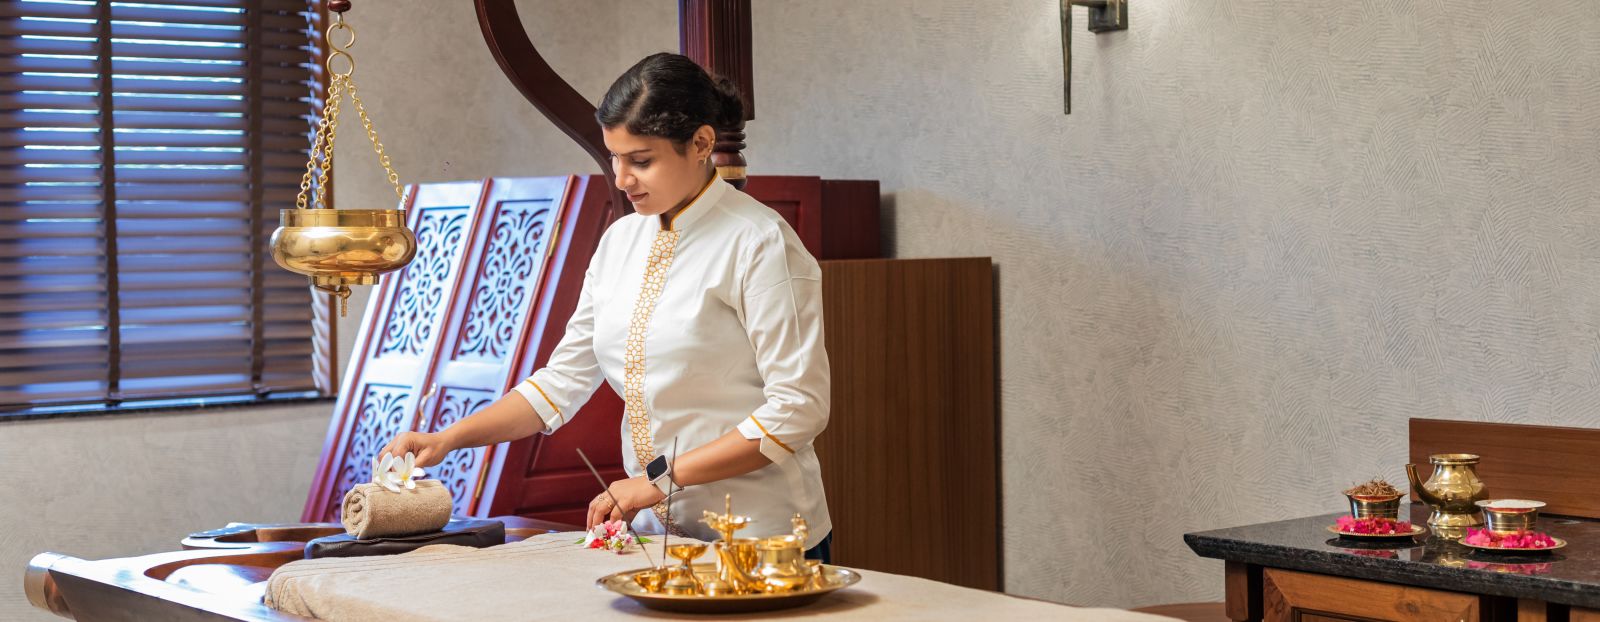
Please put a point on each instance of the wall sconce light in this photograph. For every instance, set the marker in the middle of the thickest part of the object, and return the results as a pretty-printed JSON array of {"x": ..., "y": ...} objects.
[{"x": 1104, "y": 16}]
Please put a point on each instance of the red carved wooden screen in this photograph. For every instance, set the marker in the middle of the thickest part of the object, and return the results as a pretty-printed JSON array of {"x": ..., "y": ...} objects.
[
  {"x": 837, "y": 219},
  {"x": 542, "y": 476},
  {"x": 487, "y": 325},
  {"x": 480, "y": 256},
  {"x": 395, "y": 346},
  {"x": 799, "y": 200}
]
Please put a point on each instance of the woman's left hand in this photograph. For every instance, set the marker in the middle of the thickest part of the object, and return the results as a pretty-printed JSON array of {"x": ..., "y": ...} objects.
[{"x": 634, "y": 493}]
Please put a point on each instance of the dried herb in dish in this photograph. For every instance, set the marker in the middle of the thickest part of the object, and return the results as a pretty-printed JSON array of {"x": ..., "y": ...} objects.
[{"x": 1373, "y": 488}]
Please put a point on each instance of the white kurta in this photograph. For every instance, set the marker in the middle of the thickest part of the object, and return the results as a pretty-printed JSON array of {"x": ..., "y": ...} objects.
[{"x": 708, "y": 324}]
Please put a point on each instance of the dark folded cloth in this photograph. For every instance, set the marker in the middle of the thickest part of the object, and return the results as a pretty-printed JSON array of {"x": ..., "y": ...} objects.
[{"x": 473, "y": 532}]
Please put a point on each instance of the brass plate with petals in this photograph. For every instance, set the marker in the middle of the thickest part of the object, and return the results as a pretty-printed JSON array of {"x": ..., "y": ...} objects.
[
  {"x": 623, "y": 583},
  {"x": 1559, "y": 543},
  {"x": 1416, "y": 530}
]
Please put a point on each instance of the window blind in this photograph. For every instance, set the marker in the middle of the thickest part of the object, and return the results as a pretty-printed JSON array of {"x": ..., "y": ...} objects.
[{"x": 145, "y": 148}]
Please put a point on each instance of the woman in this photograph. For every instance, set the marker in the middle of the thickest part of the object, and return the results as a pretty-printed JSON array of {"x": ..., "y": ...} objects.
[{"x": 703, "y": 311}]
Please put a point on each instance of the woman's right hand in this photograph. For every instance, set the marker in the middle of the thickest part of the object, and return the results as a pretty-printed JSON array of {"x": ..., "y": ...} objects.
[{"x": 430, "y": 449}]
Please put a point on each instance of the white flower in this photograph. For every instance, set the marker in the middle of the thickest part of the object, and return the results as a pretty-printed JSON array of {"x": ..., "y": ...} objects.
[{"x": 394, "y": 474}]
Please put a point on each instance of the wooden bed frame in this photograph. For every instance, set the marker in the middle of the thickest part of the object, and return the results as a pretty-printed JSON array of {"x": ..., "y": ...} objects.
[{"x": 220, "y": 574}]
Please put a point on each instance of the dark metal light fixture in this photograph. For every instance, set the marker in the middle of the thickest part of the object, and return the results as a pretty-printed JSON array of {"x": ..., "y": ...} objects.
[{"x": 1104, "y": 16}]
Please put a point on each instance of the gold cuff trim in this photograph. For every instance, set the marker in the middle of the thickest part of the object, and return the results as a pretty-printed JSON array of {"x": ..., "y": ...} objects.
[
  {"x": 547, "y": 400},
  {"x": 769, "y": 434}
]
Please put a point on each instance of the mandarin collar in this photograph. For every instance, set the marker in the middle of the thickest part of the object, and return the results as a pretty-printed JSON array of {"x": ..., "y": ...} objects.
[{"x": 702, "y": 203}]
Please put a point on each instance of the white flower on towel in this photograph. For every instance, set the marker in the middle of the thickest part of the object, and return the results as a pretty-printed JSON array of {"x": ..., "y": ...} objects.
[{"x": 394, "y": 474}]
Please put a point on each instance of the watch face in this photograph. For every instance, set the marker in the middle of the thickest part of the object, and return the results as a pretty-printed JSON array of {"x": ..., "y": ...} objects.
[{"x": 656, "y": 468}]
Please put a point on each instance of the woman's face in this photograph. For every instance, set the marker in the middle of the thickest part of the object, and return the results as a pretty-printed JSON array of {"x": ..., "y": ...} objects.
[{"x": 655, "y": 175}]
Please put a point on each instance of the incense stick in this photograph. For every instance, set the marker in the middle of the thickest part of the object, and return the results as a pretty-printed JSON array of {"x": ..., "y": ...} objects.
[{"x": 614, "y": 504}]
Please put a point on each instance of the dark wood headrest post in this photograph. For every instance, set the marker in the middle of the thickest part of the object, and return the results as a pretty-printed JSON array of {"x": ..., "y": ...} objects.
[{"x": 716, "y": 34}]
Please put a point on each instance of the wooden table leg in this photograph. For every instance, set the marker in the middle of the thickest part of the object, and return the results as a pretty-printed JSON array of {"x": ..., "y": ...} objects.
[{"x": 1243, "y": 591}]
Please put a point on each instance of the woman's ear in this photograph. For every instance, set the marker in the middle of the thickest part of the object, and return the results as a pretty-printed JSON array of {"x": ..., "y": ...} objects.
[{"x": 704, "y": 139}]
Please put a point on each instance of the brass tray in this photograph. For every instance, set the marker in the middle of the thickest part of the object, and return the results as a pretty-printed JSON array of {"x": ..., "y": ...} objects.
[
  {"x": 1416, "y": 530},
  {"x": 1500, "y": 549},
  {"x": 622, "y": 583}
]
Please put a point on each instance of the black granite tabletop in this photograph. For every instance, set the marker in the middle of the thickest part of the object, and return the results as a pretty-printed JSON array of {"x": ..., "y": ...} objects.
[{"x": 1570, "y": 575}]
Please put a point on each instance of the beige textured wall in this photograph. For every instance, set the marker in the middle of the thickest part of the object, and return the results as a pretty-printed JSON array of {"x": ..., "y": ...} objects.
[{"x": 1271, "y": 232}]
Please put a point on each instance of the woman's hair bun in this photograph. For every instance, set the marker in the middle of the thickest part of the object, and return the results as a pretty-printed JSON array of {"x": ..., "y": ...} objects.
[
  {"x": 670, "y": 96},
  {"x": 732, "y": 113}
]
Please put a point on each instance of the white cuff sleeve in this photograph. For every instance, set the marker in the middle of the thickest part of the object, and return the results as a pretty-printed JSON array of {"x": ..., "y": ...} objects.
[
  {"x": 542, "y": 405},
  {"x": 775, "y": 450}
]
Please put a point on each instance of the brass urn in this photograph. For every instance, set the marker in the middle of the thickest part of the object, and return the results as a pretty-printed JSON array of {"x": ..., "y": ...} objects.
[{"x": 1452, "y": 492}]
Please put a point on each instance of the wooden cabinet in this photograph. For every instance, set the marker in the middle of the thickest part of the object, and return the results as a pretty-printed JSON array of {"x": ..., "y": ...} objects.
[{"x": 1299, "y": 596}]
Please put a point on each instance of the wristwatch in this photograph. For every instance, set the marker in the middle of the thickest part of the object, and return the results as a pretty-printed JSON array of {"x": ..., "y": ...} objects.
[{"x": 659, "y": 472}]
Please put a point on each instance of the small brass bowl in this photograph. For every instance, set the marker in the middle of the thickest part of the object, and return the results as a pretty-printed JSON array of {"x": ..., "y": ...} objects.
[
  {"x": 1510, "y": 515},
  {"x": 650, "y": 579},
  {"x": 1372, "y": 506},
  {"x": 343, "y": 246}
]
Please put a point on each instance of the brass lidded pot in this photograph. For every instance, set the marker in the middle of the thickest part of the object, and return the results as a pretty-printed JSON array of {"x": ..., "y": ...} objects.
[
  {"x": 338, "y": 248},
  {"x": 1452, "y": 492}
]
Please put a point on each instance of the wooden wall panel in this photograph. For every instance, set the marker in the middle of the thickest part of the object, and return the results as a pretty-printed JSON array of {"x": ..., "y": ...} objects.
[
  {"x": 911, "y": 442},
  {"x": 1547, "y": 463}
]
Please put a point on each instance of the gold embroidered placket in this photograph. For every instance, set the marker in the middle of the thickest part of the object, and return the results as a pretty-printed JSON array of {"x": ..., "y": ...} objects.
[{"x": 655, "y": 276}]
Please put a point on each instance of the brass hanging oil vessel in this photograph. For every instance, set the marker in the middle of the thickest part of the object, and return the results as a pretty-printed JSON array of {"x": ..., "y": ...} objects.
[
  {"x": 1452, "y": 492},
  {"x": 338, "y": 248}
]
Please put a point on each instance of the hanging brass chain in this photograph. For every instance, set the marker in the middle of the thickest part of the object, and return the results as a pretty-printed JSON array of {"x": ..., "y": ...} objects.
[
  {"x": 383, "y": 158},
  {"x": 320, "y": 162},
  {"x": 343, "y": 83},
  {"x": 334, "y": 95}
]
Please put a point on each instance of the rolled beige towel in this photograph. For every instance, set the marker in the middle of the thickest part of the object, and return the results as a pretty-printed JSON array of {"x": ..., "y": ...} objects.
[{"x": 371, "y": 511}]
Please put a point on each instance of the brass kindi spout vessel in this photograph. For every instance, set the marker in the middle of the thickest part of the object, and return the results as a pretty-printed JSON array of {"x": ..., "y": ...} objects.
[
  {"x": 747, "y": 565},
  {"x": 1452, "y": 492}
]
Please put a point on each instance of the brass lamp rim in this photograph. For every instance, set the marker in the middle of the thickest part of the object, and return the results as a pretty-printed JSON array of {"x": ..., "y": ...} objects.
[
  {"x": 294, "y": 217},
  {"x": 1453, "y": 458},
  {"x": 1376, "y": 497}
]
